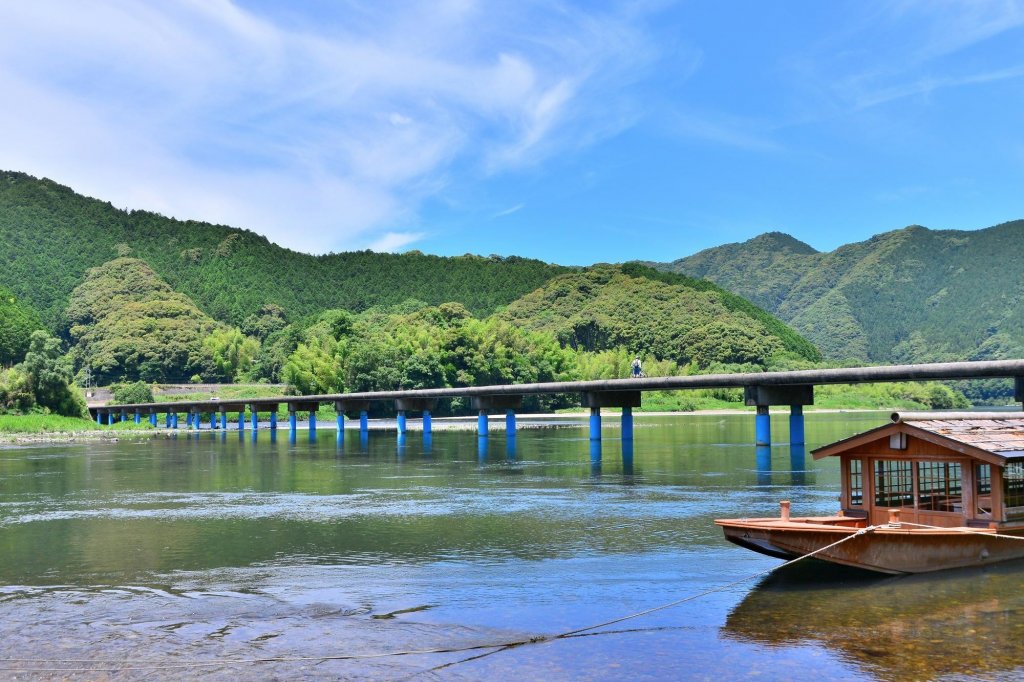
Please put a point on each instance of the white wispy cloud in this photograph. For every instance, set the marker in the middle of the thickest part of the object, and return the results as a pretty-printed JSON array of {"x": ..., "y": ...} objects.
[
  {"x": 509, "y": 211},
  {"x": 911, "y": 48},
  {"x": 322, "y": 132},
  {"x": 394, "y": 241}
]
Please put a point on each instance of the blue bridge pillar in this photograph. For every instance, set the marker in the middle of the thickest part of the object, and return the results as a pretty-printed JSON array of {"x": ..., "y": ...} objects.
[
  {"x": 241, "y": 420},
  {"x": 484, "y": 403},
  {"x": 340, "y": 420},
  {"x": 292, "y": 423},
  {"x": 223, "y": 419},
  {"x": 138, "y": 417},
  {"x": 99, "y": 418},
  {"x": 796, "y": 425},
  {"x": 627, "y": 424},
  {"x": 255, "y": 419},
  {"x": 152, "y": 419},
  {"x": 626, "y": 400},
  {"x": 174, "y": 420},
  {"x": 595, "y": 423},
  {"x": 273, "y": 418},
  {"x": 364, "y": 424},
  {"x": 428, "y": 426},
  {"x": 761, "y": 397},
  {"x": 312, "y": 426},
  {"x": 762, "y": 426},
  {"x": 400, "y": 420},
  {"x": 213, "y": 420},
  {"x": 167, "y": 421}
]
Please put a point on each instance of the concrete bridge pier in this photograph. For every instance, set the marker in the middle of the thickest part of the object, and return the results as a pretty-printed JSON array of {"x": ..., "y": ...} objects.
[
  {"x": 762, "y": 397},
  {"x": 762, "y": 426},
  {"x": 626, "y": 400},
  {"x": 213, "y": 420},
  {"x": 152, "y": 417},
  {"x": 796, "y": 425},
  {"x": 400, "y": 421},
  {"x": 423, "y": 405},
  {"x": 99, "y": 418},
  {"x": 484, "y": 403},
  {"x": 360, "y": 407},
  {"x": 255, "y": 418},
  {"x": 241, "y": 420},
  {"x": 223, "y": 418},
  {"x": 138, "y": 416}
]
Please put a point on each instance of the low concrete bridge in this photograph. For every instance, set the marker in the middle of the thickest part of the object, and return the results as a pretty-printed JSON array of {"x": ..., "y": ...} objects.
[{"x": 761, "y": 390}]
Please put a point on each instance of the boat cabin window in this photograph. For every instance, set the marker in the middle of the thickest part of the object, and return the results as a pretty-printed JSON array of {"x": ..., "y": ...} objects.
[
  {"x": 983, "y": 488},
  {"x": 1013, "y": 489},
  {"x": 894, "y": 483},
  {"x": 856, "y": 483},
  {"x": 939, "y": 486}
]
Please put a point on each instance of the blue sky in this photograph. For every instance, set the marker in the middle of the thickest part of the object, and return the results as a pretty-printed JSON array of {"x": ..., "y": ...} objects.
[{"x": 571, "y": 132}]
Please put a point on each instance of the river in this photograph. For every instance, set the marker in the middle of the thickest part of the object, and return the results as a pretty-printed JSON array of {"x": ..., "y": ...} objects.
[{"x": 195, "y": 556}]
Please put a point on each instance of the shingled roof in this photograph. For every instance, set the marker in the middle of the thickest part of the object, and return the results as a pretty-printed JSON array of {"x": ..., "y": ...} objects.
[
  {"x": 978, "y": 433},
  {"x": 1000, "y": 433}
]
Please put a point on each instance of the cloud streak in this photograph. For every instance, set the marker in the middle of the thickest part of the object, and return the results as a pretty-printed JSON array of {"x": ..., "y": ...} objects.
[{"x": 322, "y": 133}]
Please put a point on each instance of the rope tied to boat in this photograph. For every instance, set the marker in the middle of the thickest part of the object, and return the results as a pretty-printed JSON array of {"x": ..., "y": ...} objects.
[
  {"x": 961, "y": 529},
  {"x": 119, "y": 666}
]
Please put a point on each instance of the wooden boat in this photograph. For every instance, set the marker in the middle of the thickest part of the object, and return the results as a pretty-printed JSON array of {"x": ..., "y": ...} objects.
[{"x": 928, "y": 492}]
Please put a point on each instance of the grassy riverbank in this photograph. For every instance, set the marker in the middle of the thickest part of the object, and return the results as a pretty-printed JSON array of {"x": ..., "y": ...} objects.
[{"x": 52, "y": 427}]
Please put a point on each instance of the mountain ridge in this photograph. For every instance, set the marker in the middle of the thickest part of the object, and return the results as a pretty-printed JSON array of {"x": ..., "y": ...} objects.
[{"x": 907, "y": 295}]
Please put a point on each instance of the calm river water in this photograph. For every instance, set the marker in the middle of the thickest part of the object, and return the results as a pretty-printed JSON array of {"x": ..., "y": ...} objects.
[{"x": 140, "y": 557}]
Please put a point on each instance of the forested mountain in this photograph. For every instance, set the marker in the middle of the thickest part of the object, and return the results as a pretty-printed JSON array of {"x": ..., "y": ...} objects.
[
  {"x": 669, "y": 317},
  {"x": 129, "y": 324},
  {"x": 51, "y": 236},
  {"x": 911, "y": 295}
]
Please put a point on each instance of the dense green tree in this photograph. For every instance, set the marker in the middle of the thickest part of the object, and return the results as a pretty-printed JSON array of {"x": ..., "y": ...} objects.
[
  {"x": 17, "y": 322},
  {"x": 230, "y": 352},
  {"x": 16, "y": 394},
  {"x": 132, "y": 393},
  {"x": 130, "y": 324},
  {"x": 49, "y": 375},
  {"x": 269, "y": 319}
]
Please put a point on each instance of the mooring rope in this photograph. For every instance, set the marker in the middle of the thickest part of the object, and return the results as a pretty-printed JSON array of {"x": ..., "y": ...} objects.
[
  {"x": 961, "y": 529},
  {"x": 119, "y": 666}
]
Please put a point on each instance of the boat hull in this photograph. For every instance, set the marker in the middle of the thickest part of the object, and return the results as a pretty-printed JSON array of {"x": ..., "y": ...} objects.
[{"x": 883, "y": 549}]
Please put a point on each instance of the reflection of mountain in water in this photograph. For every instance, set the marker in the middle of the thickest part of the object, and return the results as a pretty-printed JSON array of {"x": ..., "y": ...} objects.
[{"x": 907, "y": 628}]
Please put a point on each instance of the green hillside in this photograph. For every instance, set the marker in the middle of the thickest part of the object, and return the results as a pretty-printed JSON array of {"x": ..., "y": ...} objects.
[
  {"x": 911, "y": 295},
  {"x": 669, "y": 317},
  {"x": 17, "y": 322},
  {"x": 51, "y": 236}
]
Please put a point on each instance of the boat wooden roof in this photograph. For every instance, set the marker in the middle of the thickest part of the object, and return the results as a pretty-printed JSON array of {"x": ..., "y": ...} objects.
[{"x": 994, "y": 437}]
